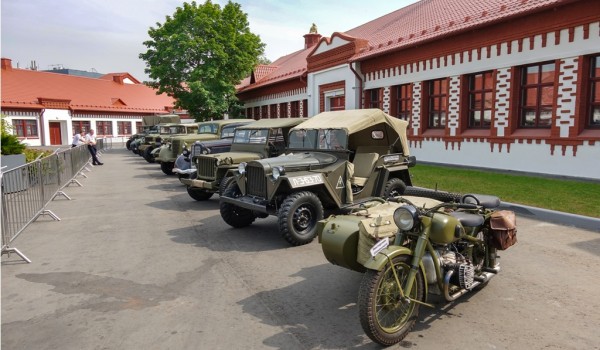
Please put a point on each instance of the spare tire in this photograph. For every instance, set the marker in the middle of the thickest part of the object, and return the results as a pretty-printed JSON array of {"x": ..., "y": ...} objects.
[{"x": 442, "y": 196}]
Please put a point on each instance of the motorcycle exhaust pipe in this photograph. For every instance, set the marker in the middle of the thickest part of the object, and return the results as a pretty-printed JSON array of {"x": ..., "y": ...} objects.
[{"x": 458, "y": 294}]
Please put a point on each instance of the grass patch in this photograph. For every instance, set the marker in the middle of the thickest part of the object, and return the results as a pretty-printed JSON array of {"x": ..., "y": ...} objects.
[{"x": 571, "y": 196}]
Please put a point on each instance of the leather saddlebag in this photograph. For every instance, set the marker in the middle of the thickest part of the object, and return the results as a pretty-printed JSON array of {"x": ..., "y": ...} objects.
[{"x": 503, "y": 224}]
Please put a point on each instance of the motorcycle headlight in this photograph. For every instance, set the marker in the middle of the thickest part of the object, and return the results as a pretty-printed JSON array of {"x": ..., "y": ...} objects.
[
  {"x": 406, "y": 217},
  {"x": 278, "y": 171},
  {"x": 242, "y": 167}
]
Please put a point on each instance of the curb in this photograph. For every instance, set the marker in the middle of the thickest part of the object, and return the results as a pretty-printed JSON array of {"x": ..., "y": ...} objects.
[{"x": 557, "y": 217}]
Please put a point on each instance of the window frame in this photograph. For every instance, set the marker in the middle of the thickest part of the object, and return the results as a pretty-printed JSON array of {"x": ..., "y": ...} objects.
[
  {"x": 442, "y": 98},
  {"x": 104, "y": 128},
  {"x": 403, "y": 102},
  {"x": 26, "y": 128},
  {"x": 539, "y": 87},
  {"x": 123, "y": 127},
  {"x": 81, "y": 126},
  {"x": 472, "y": 92},
  {"x": 593, "y": 84}
]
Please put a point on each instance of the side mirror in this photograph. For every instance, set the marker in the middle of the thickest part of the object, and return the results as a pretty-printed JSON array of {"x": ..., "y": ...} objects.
[{"x": 412, "y": 161}]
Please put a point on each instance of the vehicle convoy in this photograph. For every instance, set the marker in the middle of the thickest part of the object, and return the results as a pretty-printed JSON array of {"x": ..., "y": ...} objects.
[
  {"x": 150, "y": 142},
  {"x": 262, "y": 139},
  {"x": 410, "y": 246},
  {"x": 210, "y": 130},
  {"x": 150, "y": 126},
  {"x": 336, "y": 160}
]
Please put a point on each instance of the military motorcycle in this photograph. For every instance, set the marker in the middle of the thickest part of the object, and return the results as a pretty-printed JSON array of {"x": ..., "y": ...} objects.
[{"x": 409, "y": 247}]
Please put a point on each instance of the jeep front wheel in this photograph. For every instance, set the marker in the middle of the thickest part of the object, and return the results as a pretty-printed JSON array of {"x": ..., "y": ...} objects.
[
  {"x": 167, "y": 167},
  {"x": 148, "y": 155},
  {"x": 298, "y": 217},
  {"x": 232, "y": 214},
  {"x": 394, "y": 188}
]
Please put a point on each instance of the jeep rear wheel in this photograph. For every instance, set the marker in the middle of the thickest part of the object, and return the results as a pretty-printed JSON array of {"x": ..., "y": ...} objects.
[
  {"x": 199, "y": 194},
  {"x": 298, "y": 217},
  {"x": 167, "y": 167},
  {"x": 394, "y": 188},
  {"x": 232, "y": 214}
]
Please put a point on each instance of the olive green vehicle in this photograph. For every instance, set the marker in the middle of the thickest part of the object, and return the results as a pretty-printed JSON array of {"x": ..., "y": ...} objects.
[
  {"x": 336, "y": 161},
  {"x": 150, "y": 126},
  {"x": 262, "y": 139},
  {"x": 210, "y": 130},
  {"x": 152, "y": 141}
]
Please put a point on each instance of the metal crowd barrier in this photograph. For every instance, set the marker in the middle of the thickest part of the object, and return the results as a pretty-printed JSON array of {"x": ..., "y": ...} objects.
[{"x": 27, "y": 190}]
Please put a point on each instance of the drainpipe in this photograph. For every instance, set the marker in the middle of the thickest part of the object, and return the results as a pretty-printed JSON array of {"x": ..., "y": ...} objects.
[
  {"x": 41, "y": 132},
  {"x": 360, "y": 85}
]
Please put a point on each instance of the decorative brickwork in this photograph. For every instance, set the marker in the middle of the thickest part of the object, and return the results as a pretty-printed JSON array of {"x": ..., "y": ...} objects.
[
  {"x": 386, "y": 100},
  {"x": 566, "y": 98},
  {"x": 416, "y": 109},
  {"x": 502, "y": 106},
  {"x": 454, "y": 105}
]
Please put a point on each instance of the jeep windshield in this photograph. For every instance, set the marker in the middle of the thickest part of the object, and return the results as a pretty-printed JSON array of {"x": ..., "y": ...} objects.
[
  {"x": 208, "y": 129},
  {"x": 253, "y": 136},
  {"x": 319, "y": 139}
]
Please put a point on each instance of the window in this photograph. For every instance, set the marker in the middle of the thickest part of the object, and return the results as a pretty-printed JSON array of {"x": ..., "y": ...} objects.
[
  {"x": 437, "y": 103},
  {"x": 402, "y": 101},
  {"x": 537, "y": 95},
  {"x": 272, "y": 111},
  {"x": 304, "y": 108},
  {"x": 249, "y": 113},
  {"x": 81, "y": 126},
  {"x": 256, "y": 114},
  {"x": 25, "y": 127},
  {"x": 104, "y": 128},
  {"x": 481, "y": 88},
  {"x": 373, "y": 98},
  {"x": 594, "y": 110},
  {"x": 283, "y": 110},
  {"x": 139, "y": 127},
  {"x": 124, "y": 128},
  {"x": 264, "y": 111},
  {"x": 295, "y": 109}
]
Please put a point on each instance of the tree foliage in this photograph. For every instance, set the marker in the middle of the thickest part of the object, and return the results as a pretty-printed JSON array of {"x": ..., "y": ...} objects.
[
  {"x": 200, "y": 54},
  {"x": 10, "y": 144}
]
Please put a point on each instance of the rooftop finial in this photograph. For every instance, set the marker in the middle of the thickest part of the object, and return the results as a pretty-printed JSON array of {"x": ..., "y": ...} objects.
[{"x": 313, "y": 29}]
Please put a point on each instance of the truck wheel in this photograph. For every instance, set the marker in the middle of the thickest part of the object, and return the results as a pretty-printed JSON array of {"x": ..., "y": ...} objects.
[
  {"x": 232, "y": 214},
  {"x": 199, "y": 194},
  {"x": 167, "y": 167},
  {"x": 442, "y": 196},
  {"x": 298, "y": 217},
  {"x": 394, "y": 188},
  {"x": 128, "y": 144},
  {"x": 148, "y": 155},
  {"x": 224, "y": 183}
]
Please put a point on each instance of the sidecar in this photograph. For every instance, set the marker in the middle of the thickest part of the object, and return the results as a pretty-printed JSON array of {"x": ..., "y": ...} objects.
[{"x": 347, "y": 239}]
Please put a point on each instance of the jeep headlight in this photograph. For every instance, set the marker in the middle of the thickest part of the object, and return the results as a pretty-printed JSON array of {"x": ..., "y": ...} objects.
[
  {"x": 143, "y": 139},
  {"x": 278, "y": 171},
  {"x": 242, "y": 168},
  {"x": 406, "y": 217}
]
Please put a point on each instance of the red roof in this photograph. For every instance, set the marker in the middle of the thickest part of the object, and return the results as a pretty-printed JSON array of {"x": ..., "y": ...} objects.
[
  {"x": 287, "y": 67},
  {"x": 431, "y": 19},
  {"x": 23, "y": 88}
]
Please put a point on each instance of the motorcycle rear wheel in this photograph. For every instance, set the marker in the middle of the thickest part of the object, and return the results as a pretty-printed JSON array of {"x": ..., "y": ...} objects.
[{"x": 383, "y": 316}]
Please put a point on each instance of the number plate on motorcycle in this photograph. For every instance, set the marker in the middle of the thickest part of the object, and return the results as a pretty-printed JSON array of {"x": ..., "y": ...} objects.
[{"x": 379, "y": 246}]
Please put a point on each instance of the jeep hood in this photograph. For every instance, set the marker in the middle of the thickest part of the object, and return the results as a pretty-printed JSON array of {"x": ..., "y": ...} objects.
[
  {"x": 230, "y": 158},
  {"x": 196, "y": 137},
  {"x": 300, "y": 160}
]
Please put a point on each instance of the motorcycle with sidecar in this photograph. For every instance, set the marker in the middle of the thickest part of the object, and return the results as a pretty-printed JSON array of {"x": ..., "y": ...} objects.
[{"x": 409, "y": 247}]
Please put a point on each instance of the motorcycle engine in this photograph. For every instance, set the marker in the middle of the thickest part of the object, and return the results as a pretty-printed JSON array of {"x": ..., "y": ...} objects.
[{"x": 464, "y": 271}]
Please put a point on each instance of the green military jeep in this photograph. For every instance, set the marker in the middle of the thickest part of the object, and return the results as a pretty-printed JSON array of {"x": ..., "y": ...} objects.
[
  {"x": 262, "y": 139},
  {"x": 209, "y": 130},
  {"x": 152, "y": 141},
  {"x": 338, "y": 160}
]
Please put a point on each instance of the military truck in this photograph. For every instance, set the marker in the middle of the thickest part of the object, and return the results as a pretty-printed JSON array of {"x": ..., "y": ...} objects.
[
  {"x": 337, "y": 161},
  {"x": 209, "y": 130},
  {"x": 262, "y": 139},
  {"x": 149, "y": 126},
  {"x": 152, "y": 141}
]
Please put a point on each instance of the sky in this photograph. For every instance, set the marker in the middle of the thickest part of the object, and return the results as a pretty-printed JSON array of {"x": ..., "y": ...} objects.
[{"x": 107, "y": 36}]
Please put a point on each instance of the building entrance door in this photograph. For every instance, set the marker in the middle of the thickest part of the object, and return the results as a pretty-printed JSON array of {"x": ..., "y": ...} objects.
[{"x": 55, "y": 136}]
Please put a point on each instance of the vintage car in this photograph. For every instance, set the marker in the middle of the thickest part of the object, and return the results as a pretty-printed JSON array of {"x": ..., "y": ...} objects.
[
  {"x": 150, "y": 126},
  {"x": 262, "y": 139},
  {"x": 336, "y": 160},
  {"x": 209, "y": 130},
  {"x": 150, "y": 142}
]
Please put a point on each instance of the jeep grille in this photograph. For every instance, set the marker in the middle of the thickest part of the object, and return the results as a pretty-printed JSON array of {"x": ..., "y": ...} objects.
[
  {"x": 176, "y": 147},
  {"x": 207, "y": 168},
  {"x": 257, "y": 182}
]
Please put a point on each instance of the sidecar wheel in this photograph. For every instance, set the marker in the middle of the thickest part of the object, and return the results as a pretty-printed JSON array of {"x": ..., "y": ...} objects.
[
  {"x": 384, "y": 317},
  {"x": 298, "y": 217},
  {"x": 232, "y": 214},
  {"x": 394, "y": 188}
]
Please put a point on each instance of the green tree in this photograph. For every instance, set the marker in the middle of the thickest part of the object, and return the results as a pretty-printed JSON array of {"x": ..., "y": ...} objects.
[
  {"x": 10, "y": 143},
  {"x": 200, "y": 54}
]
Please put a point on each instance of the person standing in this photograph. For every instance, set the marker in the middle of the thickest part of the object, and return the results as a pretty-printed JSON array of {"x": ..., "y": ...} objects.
[
  {"x": 77, "y": 140},
  {"x": 90, "y": 140}
]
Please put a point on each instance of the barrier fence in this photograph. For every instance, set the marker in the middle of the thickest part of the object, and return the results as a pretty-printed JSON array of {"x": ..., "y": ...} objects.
[{"x": 27, "y": 189}]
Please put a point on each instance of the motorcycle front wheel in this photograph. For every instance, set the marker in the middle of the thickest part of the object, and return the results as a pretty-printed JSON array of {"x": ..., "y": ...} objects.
[{"x": 384, "y": 316}]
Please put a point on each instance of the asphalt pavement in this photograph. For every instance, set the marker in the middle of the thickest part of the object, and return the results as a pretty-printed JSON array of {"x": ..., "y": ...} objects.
[{"x": 135, "y": 263}]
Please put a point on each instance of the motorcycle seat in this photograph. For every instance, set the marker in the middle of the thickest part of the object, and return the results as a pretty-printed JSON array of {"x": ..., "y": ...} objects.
[
  {"x": 468, "y": 219},
  {"x": 485, "y": 200}
]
